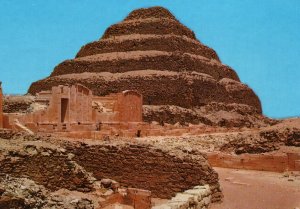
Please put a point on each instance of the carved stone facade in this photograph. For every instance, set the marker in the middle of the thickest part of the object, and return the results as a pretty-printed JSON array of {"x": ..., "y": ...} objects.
[{"x": 74, "y": 108}]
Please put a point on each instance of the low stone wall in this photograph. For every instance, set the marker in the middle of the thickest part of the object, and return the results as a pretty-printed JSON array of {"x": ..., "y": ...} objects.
[
  {"x": 50, "y": 167},
  {"x": 263, "y": 162},
  {"x": 198, "y": 197},
  {"x": 146, "y": 167}
]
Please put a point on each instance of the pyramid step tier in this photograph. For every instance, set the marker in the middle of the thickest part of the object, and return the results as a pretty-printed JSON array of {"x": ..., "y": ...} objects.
[
  {"x": 117, "y": 62},
  {"x": 160, "y": 87},
  {"x": 155, "y": 12},
  {"x": 157, "y": 26},
  {"x": 143, "y": 42}
]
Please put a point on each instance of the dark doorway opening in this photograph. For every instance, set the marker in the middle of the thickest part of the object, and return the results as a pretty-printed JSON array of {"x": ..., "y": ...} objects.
[
  {"x": 138, "y": 133},
  {"x": 64, "y": 109}
]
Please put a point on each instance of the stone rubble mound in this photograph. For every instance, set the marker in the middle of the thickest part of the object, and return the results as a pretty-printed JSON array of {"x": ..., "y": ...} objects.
[
  {"x": 47, "y": 164},
  {"x": 20, "y": 104},
  {"x": 264, "y": 141},
  {"x": 20, "y": 193},
  {"x": 213, "y": 114}
]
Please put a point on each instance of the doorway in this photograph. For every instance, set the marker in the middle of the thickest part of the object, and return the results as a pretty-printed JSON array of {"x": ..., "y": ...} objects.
[{"x": 64, "y": 109}]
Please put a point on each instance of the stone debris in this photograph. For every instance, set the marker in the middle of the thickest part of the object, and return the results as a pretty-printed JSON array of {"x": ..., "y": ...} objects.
[
  {"x": 266, "y": 140},
  {"x": 25, "y": 193},
  {"x": 213, "y": 114}
]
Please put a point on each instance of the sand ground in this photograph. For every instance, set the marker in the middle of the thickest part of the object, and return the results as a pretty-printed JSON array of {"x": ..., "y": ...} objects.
[{"x": 244, "y": 189}]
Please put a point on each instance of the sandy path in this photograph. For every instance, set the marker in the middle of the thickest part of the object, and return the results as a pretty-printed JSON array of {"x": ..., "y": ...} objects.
[{"x": 257, "y": 190}]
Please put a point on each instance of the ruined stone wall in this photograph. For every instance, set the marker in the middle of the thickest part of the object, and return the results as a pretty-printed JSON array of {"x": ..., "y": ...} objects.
[
  {"x": 146, "y": 167},
  {"x": 48, "y": 167}
]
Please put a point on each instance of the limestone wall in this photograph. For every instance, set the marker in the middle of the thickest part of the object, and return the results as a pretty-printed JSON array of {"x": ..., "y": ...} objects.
[{"x": 198, "y": 197}]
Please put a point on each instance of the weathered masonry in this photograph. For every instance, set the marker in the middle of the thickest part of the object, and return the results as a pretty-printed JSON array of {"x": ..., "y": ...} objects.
[{"x": 76, "y": 109}]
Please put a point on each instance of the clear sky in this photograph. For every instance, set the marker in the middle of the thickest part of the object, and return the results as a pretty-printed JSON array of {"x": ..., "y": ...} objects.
[{"x": 260, "y": 39}]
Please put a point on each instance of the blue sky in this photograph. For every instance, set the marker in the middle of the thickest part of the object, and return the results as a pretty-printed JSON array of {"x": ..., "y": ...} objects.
[{"x": 260, "y": 39}]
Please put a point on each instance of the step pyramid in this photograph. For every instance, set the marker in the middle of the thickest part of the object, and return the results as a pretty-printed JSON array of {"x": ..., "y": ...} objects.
[{"x": 152, "y": 52}]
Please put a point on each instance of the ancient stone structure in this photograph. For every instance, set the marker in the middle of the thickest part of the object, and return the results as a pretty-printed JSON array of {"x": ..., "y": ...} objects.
[
  {"x": 153, "y": 53},
  {"x": 143, "y": 166},
  {"x": 74, "y": 108},
  {"x": 1, "y": 107},
  {"x": 81, "y": 165},
  {"x": 73, "y": 111}
]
